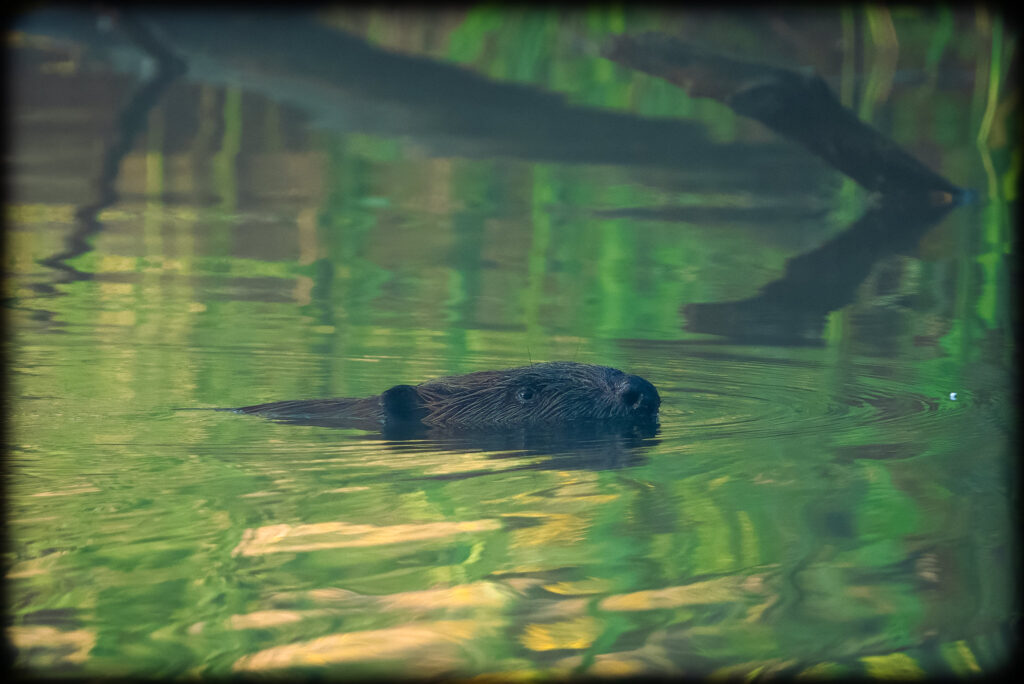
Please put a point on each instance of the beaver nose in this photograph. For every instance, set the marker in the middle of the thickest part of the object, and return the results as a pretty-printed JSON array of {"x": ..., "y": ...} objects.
[{"x": 639, "y": 395}]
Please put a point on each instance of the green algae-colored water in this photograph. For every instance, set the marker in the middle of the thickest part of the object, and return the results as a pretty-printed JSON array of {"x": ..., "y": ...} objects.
[{"x": 834, "y": 507}]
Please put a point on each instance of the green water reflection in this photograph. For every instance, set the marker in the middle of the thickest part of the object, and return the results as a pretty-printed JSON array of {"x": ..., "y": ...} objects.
[{"x": 840, "y": 508}]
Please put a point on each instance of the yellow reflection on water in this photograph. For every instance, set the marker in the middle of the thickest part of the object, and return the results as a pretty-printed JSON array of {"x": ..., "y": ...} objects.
[
  {"x": 427, "y": 647},
  {"x": 336, "y": 535}
]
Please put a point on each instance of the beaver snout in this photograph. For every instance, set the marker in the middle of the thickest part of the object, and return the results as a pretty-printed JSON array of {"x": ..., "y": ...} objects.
[{"x": 638, "y": 395}]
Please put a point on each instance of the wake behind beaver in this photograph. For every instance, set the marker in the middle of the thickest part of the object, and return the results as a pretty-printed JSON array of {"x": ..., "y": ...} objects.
[{"x": 540, "y": 395}]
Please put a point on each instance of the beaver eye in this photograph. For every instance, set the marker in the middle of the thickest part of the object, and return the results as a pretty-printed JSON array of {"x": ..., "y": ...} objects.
[{"x": 525, "y": 394}]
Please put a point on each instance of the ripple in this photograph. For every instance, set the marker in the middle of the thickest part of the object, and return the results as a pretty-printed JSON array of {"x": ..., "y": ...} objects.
[{"x": 733, "y": 396}]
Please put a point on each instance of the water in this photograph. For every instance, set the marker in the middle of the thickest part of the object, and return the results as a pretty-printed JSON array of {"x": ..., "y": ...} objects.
[{"x": 834, "y": 503}]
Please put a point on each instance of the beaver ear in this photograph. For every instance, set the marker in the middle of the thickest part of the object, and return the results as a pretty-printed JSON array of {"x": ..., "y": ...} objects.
[{"x": 403, "y": 404}]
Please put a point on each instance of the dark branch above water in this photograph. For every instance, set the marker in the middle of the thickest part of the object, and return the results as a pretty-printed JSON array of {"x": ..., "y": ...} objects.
[
  {"x": 800, "y": 107},
  {"x": 347, "y": 84},
  {"x": 797, "y": 106}
]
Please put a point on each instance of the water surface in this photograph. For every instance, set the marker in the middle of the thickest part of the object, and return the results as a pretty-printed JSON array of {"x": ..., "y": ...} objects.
[{"x": 837, "y": 503}]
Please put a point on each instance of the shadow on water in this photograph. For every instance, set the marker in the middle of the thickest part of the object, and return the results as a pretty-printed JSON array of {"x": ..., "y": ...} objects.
[
  {"x": 345, "y": 83},
  {"x": 590, "y": 447},
  {"x": 577, "y": 446}
]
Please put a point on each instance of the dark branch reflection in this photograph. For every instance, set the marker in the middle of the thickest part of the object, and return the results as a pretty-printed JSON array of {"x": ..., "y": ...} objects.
[
  {"x": 792, "y": 309},
  {"x": 131, "y": 122}
]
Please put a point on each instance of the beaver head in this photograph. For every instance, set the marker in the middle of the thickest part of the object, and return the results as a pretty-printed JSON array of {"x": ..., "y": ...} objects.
[{"x": 536, "y": 395}]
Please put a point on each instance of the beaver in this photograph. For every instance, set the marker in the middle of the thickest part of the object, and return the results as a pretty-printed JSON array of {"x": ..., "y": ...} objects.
[{"x": 542, "y": 395}]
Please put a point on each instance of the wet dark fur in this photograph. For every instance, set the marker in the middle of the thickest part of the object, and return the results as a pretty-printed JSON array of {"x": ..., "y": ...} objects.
[{"x": 543, "y": 394}]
